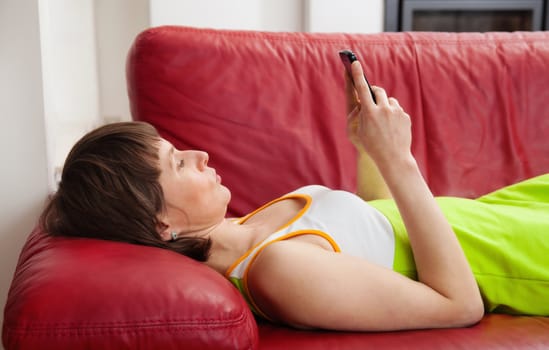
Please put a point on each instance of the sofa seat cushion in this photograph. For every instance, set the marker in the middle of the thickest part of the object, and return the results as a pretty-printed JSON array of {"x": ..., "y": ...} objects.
[{"x": 495, "y": 331}]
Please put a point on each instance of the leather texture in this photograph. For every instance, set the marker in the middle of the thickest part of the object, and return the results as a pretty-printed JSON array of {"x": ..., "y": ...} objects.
[
  {"x": 269, "y": 109},
  {"x": 92, "y": 294},
  {"x": 493, "y": 332}
]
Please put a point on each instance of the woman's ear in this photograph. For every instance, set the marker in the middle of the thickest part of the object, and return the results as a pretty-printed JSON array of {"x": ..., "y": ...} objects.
[{"x": 163, "y": 230}]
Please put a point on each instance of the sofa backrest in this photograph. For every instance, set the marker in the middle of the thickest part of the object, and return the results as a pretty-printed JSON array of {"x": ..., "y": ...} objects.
[{"x": 269, "y": 107}]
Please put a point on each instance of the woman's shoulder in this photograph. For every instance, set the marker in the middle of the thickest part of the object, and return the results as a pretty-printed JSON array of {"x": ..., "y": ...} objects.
[{"x": 311, "y": 190}]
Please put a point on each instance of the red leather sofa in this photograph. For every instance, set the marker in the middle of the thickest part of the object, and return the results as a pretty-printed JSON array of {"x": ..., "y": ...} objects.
[{"x": 269, "y": 109}]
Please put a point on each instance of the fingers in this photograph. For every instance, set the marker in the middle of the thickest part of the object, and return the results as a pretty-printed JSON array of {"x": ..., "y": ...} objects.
[
  {"x": 359, "y": 93},
  {"x": 393, "y": 102},
  {"x": 360, "y": 85},
  {"x": 350, "y": 94},
  {"x": 381, "y": 96},
  {"x": 354, "y": 113},
  {"x": 383, "y": 99},
  {"x": 353, "y": 125},
  {"x": 362, "y": 88}
]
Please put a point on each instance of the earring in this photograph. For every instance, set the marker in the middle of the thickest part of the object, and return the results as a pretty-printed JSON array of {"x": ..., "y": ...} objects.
[{"x": 174, "y": 235}]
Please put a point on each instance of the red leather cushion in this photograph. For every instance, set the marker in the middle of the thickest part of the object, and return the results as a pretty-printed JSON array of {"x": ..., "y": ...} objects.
[
  {"x": 92, "y": 294},
  {"x": 269, "y": 107},
  {"x": 493, "y": 332}
]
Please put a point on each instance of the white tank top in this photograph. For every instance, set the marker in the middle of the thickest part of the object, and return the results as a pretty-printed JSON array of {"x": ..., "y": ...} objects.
[{"x": 347, "y": 222}]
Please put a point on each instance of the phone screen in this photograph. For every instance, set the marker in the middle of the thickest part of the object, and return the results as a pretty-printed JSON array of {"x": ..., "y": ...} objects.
[{"x": 348, "y": 57}]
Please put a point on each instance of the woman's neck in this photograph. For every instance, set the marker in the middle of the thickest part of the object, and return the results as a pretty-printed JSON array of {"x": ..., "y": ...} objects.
[{"x": 229, "y": 242}]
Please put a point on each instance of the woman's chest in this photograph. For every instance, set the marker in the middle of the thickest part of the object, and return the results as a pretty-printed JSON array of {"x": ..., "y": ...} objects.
[{"x": 282, "y": 215}]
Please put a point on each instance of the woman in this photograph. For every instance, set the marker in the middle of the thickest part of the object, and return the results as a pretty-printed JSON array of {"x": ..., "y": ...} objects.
[{"x": 315, "y": 258}]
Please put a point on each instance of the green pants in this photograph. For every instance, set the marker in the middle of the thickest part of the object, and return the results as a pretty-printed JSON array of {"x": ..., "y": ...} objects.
[{"x": 505, "y": 236}]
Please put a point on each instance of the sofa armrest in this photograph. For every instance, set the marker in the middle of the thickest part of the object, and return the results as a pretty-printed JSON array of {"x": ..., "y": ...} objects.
[{"x": 83, "y": 293}]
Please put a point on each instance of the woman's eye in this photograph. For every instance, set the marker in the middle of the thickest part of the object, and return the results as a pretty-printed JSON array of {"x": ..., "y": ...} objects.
[{"x": 180, "y": 164}]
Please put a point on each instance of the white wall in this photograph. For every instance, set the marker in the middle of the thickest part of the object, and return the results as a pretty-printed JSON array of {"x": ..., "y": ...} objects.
[
  {"x": 24, "y": 180},
  {"x": 117, "y": 22},
  {"x": 350, "y": 16},
  {"x": 70, "y": 78},
  {"x": 357, "y": 16},
  {"x": 271, "y": 15},
  {"x": 84, "y": 47}
]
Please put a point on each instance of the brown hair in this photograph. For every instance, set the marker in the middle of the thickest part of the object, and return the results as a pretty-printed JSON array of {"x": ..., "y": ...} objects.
[{"x": 110, "y": 189}]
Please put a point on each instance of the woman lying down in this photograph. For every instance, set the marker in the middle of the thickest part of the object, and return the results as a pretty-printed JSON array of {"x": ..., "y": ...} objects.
[{"x": 316, "y": 257}]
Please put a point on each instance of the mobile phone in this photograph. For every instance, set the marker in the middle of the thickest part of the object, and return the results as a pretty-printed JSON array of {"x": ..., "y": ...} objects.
[{"x": 348, "y": 57}]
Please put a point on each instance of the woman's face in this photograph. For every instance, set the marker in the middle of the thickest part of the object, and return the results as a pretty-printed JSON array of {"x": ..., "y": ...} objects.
[{"x": 195, "y": 199}]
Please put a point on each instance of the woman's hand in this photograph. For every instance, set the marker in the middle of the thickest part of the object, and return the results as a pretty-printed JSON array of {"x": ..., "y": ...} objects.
[
  {"x": 370, "y": 184},
  {"x": 353, "y": 107},
  {"x": 382, "y": 130}
]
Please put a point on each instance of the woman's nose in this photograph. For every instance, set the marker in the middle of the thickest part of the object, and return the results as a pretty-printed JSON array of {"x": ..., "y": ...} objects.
[
  {"x": 202, "y": 159},
  {"x": 198, "y": 158}
]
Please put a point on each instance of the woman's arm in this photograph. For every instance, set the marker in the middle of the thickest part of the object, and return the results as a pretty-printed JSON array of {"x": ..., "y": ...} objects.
[
  {"x": 370, "y": 183},
  {"x": 384, "y": 130},
  {"x": 304, "y": 285}
]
